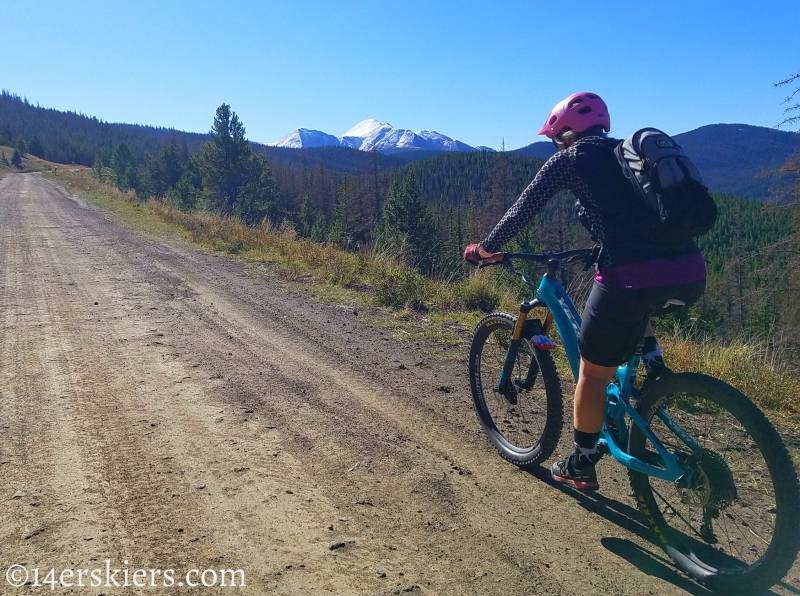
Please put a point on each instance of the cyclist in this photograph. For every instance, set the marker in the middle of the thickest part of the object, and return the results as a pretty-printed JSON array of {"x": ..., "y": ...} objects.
[{"x": 634, "y": 274}]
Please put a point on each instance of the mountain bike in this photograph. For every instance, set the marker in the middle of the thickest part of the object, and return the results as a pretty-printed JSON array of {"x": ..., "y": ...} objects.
[{"x": 710, "y": 473}]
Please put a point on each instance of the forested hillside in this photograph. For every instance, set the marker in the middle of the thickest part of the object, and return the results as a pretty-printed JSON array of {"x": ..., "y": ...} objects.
[
  {"x": 425, "y": 210},
  {"x": 72, "y": 138},
  {"x": 68, "y": 137},
  {"x": 738, "y": 158},
  {"x": 733, "y": 158}
]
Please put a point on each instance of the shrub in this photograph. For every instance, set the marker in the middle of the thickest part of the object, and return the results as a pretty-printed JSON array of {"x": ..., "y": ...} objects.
[
  {"x": 479, "y": 293},
  {"x": 341, "y": 268},
  {"x": 400, "y": 287}
]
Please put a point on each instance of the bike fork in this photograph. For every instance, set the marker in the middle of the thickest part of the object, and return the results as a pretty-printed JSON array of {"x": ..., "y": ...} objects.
[{"x": 513, "y": 347}]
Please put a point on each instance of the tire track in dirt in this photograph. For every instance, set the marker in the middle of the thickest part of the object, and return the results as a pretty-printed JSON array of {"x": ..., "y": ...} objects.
[
  {"x": 98, "y": 408},
  {"x": 181, "y": 410}
]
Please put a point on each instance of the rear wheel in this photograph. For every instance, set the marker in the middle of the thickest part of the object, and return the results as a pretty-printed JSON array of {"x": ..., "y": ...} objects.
[
  {"x": 524, "y": 420},
  {"x": 736, "y": 528}
]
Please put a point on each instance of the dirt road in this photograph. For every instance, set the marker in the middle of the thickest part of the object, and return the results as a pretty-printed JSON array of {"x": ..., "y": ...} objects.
[{"x": 165, "y": 409}]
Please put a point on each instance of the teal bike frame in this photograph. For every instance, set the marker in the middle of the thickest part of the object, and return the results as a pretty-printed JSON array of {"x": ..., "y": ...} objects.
[{"x": 552, "y": 295}]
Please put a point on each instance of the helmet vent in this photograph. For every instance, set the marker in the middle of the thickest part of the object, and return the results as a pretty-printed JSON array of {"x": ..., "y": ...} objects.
[
  {"x": 592, "y": 96},
  {"x": 585, "y": 110},
  {"x": 575, "y": 102},
  {"x": 553, "y": 120}
]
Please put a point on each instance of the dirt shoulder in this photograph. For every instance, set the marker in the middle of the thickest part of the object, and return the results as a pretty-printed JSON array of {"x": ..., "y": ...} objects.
[{"x": 180, "y": 410}]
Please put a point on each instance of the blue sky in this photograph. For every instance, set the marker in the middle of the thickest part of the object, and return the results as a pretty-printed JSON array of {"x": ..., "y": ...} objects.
[{"x": 478, "y": 71}]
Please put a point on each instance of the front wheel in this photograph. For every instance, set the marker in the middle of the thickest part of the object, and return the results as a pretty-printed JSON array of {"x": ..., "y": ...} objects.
[
  {"x": 734, "y": 523},
  {"x": 523, "y": 420}
]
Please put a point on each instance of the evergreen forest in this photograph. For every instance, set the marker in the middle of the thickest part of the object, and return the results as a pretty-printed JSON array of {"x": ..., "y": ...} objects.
[{"x": 421, "y": 208}]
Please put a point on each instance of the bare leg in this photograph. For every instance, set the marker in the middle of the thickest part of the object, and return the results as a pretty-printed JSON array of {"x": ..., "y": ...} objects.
[
  {"x": 590, "y": 396},
  {"x": 590, "y": 411}
]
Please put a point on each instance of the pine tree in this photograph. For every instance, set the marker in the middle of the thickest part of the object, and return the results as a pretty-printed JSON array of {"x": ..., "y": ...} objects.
[
  {"x": 123, "y": 168},
  {"x": 171, "y": 164},
  {"x": 35, "y": 148},
  {"x": 500, "y": 183},
  {"x": 453, "y": 266},
  {"x": 791, "y": 118},
  {"x": 226, "y": 160},
  {"x": 184, "y": 150},
  {"x": 186, "y": 194},
  {"x": 408, "y": 226},
  {"x": 474, "y": 230},
  {"x": 16, "y": 159},
  {"x": 162, "y": 170},
  {"x": 790, "y": 114},
  {"x": 342, "y": 227},
  {"x": 319, "y": 231},
  {"x": 310, "y": 216},
  {"x": 98, "y": 169},
  {"x": 259, "y": 196}
]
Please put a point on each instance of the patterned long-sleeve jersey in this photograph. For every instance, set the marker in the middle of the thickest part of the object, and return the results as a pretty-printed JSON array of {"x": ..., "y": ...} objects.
[
  {"x": 559, "y": 173},
  {"x": 607, "y": 206}
]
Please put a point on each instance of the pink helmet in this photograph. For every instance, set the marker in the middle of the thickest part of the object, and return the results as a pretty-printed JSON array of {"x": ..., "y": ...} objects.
[{"x": 580, "y": 111}]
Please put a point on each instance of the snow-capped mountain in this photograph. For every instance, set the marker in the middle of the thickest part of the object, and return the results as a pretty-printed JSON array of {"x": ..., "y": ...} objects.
[
  {"x": 303, "y": 137},
  {"x": 370, "y": 134}
]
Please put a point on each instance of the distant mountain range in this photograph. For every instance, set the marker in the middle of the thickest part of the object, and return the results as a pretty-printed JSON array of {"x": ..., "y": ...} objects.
[
  {"x": 370, "y": 134},
  {"x": 738, "y": 159},
  {"x": 733, "y": 158}
]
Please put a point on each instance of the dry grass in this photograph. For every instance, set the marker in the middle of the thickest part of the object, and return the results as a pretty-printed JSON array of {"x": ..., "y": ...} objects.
[
  {"x": 754, "y": 368},
  {"x": 29, "y": 163}
]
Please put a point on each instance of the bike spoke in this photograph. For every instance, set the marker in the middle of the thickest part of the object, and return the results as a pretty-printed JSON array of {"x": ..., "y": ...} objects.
[
  {"x": 515, "y": 415},
  {"x": 676, "y": 513},
  {"x": 742, "y": 527}
]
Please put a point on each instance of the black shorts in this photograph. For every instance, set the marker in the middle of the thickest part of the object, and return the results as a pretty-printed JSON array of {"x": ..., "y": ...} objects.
[{"x": 614, "y": 318}]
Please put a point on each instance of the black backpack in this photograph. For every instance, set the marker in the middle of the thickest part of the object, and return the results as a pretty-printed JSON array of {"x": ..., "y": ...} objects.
[{"x": 678, "y": 204}]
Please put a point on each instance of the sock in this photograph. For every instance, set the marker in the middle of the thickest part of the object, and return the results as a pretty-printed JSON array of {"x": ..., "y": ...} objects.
[
  {"x": 652, "y": 358},
  {"x": 586, "y": 453}
]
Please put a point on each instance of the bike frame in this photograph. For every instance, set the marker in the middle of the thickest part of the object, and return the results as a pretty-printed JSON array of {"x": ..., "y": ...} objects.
[{"x": 552, "y": 295}]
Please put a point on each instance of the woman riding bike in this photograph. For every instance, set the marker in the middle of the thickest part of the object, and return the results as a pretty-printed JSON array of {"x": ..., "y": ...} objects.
[{"x": 634, "y": 274}]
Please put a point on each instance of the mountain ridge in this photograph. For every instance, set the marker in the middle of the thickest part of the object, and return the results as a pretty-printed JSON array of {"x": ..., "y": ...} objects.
[
  {"x": 738, "y": 159},
  {"x": 371, "y": 134}
]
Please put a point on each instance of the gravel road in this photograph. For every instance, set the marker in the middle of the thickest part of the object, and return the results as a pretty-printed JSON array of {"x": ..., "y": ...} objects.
[{"x": 162, "y": 408}]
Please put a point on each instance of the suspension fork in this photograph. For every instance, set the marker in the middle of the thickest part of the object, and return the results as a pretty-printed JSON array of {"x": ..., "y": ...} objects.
[
  {"x": 513, "y": 346},
  {"x": 543, "y": 329}
]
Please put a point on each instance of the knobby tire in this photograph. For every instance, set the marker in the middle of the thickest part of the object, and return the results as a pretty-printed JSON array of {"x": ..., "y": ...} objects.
[
  {"x": 525, "y": 433},
  {"x": 763, "y": 510}
]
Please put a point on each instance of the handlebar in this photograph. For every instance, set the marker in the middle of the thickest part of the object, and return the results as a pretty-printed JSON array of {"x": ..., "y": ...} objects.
[{"x": 545, "y": 258}]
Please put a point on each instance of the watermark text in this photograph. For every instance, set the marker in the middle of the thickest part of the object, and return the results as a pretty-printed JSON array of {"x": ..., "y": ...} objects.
[{"x": 110, "y": 576}]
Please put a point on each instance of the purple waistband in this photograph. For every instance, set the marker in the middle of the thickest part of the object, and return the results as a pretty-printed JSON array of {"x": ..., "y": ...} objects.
[{"x": 654, "y": 273}]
